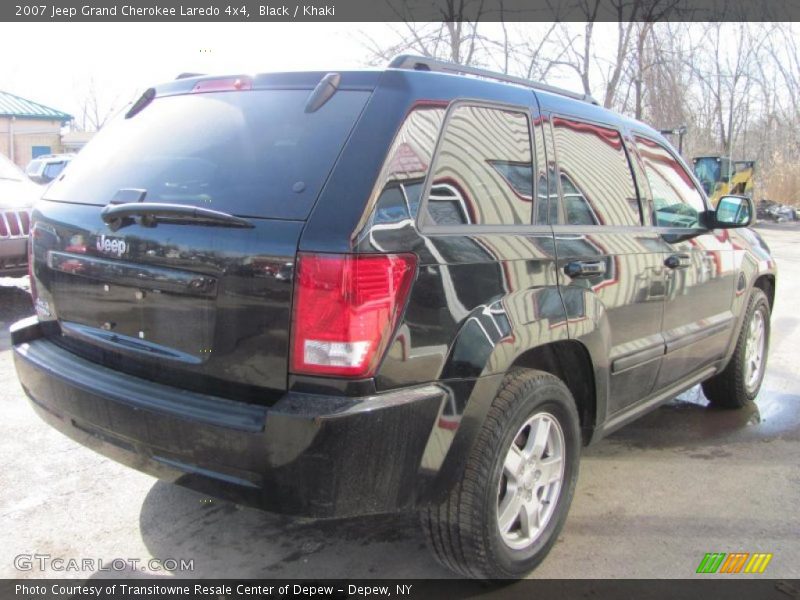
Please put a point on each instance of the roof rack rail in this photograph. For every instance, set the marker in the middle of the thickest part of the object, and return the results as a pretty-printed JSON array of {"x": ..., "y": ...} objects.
[
  {"x": 188, "y": 75},
  {"x": 420, "y": 63}
]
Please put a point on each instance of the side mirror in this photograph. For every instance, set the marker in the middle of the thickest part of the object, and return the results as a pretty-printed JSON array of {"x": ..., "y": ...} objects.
[{"x": 733, "y": 211}]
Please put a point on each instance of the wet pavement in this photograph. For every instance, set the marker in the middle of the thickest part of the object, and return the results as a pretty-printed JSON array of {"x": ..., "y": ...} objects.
[{"x": 651, "y": 500}]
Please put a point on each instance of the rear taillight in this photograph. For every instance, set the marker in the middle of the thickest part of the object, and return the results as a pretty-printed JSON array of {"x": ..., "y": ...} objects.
[{"x": 346, "y": 308}]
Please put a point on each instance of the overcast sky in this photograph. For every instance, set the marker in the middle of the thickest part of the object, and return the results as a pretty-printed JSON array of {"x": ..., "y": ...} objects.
[
  {"x": 61, "y": 59},
  {"x": 125, "y": 58}
]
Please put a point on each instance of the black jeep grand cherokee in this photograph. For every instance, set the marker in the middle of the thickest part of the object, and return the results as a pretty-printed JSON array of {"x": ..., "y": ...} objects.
[{"x": 362, "y": 292}]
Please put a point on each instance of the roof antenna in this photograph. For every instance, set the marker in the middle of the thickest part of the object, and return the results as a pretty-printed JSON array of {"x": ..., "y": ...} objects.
[{"x": 324, "y": 91}]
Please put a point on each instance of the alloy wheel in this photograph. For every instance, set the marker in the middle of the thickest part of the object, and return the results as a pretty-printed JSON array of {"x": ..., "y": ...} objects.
[
  {"x": 755, "y": 350},
  {"x": 530, "y": 484}
]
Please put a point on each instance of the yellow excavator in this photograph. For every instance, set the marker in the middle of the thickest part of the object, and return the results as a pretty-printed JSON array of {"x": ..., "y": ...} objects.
[{"x": 721, "y": 176}]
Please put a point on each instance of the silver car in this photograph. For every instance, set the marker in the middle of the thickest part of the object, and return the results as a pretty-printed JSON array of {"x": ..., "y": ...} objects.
[
  {"x": 17, "y": 195},
  {"x": 44, "y": 169}
]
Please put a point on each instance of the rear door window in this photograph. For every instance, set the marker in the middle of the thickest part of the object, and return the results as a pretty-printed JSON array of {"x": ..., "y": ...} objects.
[
  {"x": 596, "y": 181},
  {"x": 483, "y": 174},
  {"x": 248, "y": 153}
]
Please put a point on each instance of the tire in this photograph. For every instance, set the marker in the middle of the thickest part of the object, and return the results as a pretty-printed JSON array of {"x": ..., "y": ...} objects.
[
  {"x": 737, "y": 384},
  {"x": 464, "y": 531}
]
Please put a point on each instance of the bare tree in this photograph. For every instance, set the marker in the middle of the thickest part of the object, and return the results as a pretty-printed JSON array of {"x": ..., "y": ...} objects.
[
  {"x": 96, "y": 107},
  {"x": 581, "y": 55},
  {"x": 526, "y": 50},
  {"x": 455, "y": 38},
  {"x": 577, "y": 48},
  {"x": 663, "y": 84},
  {"x": 536, "y": 58},
  {"x": 736, "y": 86},
  {"x": 726, "y": 70}
]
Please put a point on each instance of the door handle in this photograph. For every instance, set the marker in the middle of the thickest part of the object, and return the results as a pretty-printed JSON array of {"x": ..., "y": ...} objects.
[
  {"x": 584, "y": 268},
  {"x": 678, "y": 261}
]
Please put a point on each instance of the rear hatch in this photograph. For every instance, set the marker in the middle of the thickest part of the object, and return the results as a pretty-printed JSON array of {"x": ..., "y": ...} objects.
[{"x": 167, "y": 249}]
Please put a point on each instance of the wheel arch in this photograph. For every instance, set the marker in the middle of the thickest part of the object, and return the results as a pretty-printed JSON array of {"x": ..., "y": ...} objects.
[
  {"x": 570, "y": 361},
  {"x": 766, "y": 283}
]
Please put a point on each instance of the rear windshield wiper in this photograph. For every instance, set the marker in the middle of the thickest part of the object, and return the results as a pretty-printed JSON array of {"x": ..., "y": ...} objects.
[{"x": 151, "y": 213}]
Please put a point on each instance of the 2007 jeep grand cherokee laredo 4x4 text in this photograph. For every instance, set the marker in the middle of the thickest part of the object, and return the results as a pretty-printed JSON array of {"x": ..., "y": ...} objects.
[{"x": 423, "y": 288}]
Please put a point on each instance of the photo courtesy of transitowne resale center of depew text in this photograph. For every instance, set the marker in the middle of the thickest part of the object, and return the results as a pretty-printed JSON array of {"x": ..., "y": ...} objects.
[{"x": 399, "y": 299}]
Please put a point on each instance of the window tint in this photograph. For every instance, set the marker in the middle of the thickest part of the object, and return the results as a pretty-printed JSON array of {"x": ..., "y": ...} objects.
[
  {"x": 596, "y": 179},
  {"x": 406, "y": 165},
  {"x": 251, "y": 153},
  {"x": 446, "y": 206},
  {"x": 577, "y": 209},
  {"x": 518, "y": 176},
  {"x": 483, "y": 173},
  {"x": 676, "y": 201}
]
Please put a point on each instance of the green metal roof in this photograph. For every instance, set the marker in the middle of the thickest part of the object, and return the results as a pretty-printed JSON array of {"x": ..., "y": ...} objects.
[{"x": 14, "y": 106}]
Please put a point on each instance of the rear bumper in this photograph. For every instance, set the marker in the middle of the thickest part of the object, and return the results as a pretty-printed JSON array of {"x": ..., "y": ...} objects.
[
  {"x": 13, "y": 256},
  {"x": 308, "y": 455}
]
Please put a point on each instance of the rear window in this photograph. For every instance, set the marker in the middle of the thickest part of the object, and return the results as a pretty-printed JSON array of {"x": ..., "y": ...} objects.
[
  {"x": 254, "y": 153},
  {"x": 51, "y": 170}
]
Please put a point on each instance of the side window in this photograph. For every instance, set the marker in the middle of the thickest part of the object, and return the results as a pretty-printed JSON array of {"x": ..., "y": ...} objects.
[
  {"x": 676, "y": 201},
  {"x": 595, "y": 175},
  {"x": 483, "y": 173},
  {"x": 406, "y": 165}
]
